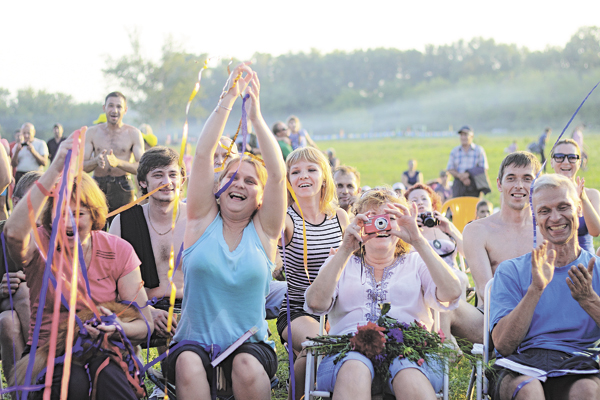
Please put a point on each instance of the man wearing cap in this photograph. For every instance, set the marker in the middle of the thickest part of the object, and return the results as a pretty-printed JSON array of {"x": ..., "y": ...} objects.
[
  {"x": 113, "y": 150},
  {"x": 466, "y": 161},
  {"x": 30, "y": 155},
  {"x": 55, "y": 141},
  {"x": 347, "y": 184}
]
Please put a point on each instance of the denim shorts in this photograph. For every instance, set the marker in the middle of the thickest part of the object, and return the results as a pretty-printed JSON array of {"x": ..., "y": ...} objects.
[
  {"x": 327, "y": 372},
  {"x": 119, "y": 190}
]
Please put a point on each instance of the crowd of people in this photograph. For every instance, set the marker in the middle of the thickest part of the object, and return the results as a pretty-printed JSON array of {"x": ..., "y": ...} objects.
[{"x": 284, "y": 236}]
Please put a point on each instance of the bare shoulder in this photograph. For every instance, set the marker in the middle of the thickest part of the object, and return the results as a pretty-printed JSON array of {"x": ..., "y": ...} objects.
[
  {"x": 477, "y": 228},
  {"x": 343, "y": 218},
  {"x": 593, "y": 194}
]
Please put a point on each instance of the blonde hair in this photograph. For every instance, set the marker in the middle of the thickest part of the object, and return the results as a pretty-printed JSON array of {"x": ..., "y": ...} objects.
[
  {"x": 375, "y": 198},
  {"x": 261, "y": 171},
  {"x": 294, "y": 118},
  {"x": 328, "y": 203}
]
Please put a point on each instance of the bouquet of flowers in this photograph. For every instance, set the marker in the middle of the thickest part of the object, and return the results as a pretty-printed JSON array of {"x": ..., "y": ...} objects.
[{"x": 387, "y": 340}]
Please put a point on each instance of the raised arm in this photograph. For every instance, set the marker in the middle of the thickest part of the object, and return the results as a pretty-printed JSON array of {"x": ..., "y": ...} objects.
[
  {"x": 201, "y": 200},
  {"x": 476, "y": 255},
  {"x": 18, "y": 229},
  {"x": 137, "y": 149},
  {"x": 448, "y": 285},
  {"x": 5, "y": 170},
  {"x": 590, "y": 203},
  {"x": 319, "y": 295},
  {"x": 510, "y": 331},
  {"x": 91, "y": 163},
  {"x": 272, "y": 212}
]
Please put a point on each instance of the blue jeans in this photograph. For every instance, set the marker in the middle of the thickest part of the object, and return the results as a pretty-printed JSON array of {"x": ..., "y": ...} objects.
[{"x": 327, "y": 372}]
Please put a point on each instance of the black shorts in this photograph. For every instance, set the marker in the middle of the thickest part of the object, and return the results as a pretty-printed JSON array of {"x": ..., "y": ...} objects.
[
  {"x": 296, "y": 311},
  {"x": 261, "y": 351},
  {"x": 546, "y": 360}
]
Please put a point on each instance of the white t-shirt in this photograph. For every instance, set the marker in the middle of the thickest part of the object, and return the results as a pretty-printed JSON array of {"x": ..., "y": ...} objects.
[
  {"x": 26, "y": 161},
  {"x": 406, "y": 284}
]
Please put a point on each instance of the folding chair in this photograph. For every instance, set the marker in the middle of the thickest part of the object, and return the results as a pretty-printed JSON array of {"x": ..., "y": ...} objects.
[
  {"x": 482, "y": 349},
  {"x": 312, "y": 363},
  {"x": 463, "y": 210}
]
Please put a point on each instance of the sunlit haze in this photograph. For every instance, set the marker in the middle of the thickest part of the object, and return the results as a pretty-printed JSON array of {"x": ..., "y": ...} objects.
[{"x": 62, "y": 46}]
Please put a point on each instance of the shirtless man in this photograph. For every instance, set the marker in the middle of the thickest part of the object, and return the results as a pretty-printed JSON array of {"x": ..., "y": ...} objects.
[
  {"x": 508, "y": 233},
  {"x": 152, "y": 222},
  {"x": 112, "y": 151},
  {"x": 347, "y": 184}
]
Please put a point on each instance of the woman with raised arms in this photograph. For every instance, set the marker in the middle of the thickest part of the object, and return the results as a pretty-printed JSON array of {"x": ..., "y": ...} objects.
[{"x": 230, "y": 246}]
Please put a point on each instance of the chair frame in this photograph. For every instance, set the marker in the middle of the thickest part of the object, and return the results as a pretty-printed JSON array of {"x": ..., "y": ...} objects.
[
  {"x": 312, "y": 363},
  {"x": 482, "y": 349}
]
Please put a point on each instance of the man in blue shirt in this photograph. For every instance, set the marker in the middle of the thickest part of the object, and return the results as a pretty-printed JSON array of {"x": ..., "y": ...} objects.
[{"x": 545, "y": 309}]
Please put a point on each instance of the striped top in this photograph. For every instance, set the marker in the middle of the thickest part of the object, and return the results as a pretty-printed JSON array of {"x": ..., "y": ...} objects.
[{"x": 319, "y": 239}]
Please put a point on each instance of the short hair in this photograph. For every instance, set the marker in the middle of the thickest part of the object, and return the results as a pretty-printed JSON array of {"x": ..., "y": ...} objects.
[
  {"x": 347, "y": 170},
  {"x": 436, "y": 200},
  {"x": 565, "y": 141},
  {"x": 91, "y": 198},
  {"x": 59, "y": 126},
  {"x": 30, "y": 124},
  {"x": 275, "y": 127},
  {"x": 483, "y": 202},
  {"x": 25, "y": 183},
  {"x": 519, "y": 159},
  {"x": 115, "y": 94},
  {"x": 156, "y": 157},
  {"x": 553, "y": 181},
  {"x": 375, "y": 198},
  {"x": 328, "y": 203}
]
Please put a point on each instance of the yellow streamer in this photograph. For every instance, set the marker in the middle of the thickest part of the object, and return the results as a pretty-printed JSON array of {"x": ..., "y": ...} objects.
[{"x": 304, "y": 244}]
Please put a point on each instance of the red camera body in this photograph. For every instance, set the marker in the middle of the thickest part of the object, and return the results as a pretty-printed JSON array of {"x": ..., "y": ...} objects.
[{"x": 378, "y": 223}]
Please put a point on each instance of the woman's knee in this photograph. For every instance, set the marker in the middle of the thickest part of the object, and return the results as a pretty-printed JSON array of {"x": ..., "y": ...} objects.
[
  {"x": 9, "y": 325},
  {"x": 189, "y": 368},
  {"x": 247, "y": 369}
]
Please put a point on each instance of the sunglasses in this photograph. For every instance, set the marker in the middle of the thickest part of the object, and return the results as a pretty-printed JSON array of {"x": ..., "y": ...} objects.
[{"x": 560, "y": 157}]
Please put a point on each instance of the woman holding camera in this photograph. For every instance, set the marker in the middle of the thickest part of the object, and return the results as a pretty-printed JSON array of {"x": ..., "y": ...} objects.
[
  {"x": 442, "y": 235},
  {"x": 370, "y": 269},
  {"x": 310, "y": 177}
]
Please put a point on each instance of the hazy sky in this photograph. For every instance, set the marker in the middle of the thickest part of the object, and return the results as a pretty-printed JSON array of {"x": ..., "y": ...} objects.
[{"x": 62, "y": 46}]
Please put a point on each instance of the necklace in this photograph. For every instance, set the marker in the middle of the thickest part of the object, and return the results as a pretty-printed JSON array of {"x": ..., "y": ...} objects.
[{"x": 170, "y": 227}]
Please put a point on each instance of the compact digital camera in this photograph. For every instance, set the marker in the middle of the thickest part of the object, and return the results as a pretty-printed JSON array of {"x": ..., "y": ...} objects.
[
  {"x": 378, "y": 223},
  {"x": 429, "y": 220}
]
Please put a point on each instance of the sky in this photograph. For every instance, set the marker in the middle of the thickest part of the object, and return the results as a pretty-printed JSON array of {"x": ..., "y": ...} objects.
[{"x": 63, "y": 45}]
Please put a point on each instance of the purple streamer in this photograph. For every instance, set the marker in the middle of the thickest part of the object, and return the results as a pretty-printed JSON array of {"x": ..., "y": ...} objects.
[
  {"x": 542, "y": 168},
  {"x": 289, "y": 322},
  {"x": 12, "y": 306},
  {"x": 244, "y": 139}
]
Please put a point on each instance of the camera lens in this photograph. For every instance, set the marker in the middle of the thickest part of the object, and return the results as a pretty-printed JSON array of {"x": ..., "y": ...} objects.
[{"x": 381, "y": 223}]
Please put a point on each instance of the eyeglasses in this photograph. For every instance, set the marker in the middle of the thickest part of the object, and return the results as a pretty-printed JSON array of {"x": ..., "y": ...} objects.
[{"x": 560, "y": 157}]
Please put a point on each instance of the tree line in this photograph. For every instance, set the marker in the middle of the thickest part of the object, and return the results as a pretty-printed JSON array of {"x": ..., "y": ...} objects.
[{"x": 496, "y": 85}]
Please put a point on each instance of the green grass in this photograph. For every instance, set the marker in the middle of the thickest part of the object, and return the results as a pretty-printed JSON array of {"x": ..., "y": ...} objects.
[{"x": 383, "y": 161}]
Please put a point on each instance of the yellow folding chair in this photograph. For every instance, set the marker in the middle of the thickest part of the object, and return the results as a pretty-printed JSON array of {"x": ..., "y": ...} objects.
[{"x": 463, "y": 210}]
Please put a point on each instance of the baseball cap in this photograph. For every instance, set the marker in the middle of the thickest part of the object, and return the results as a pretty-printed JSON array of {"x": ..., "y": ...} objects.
[
  {"x": 101, "y": 119},
  {"x": 465, "y": 128},
  {"x": 398, "y": 185}
]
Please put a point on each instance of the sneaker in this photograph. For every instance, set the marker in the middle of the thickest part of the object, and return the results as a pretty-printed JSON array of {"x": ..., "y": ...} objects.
[{"x": 157, "y": 394}]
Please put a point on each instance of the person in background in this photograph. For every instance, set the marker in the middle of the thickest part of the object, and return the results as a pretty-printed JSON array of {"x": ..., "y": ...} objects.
[
  {"x": 399, "y": 188},
  {"x": 31, "y": 154},
  {"x": 282, "y": 134},
  {"x": 511, "y": 147},
  {"x": 464, "y": 160},
  {"x": 334, "y": 162},
  {"x": 55, "y": 141},
  {"x": 112, "y": 152},
  {"x": 298, "y": 136},
  {"x": 577, "y": 136},
  {"x": 442, "y": 186},
  {"x": 150, "y": 139},
  {"x": 347, "y": 184},
  {"x": 542, "y": 144},
  {"x": 566, "y": 161},
  {"x": 14, "y": 326},
  {"x": 484, "y": 209},
  {"x": 412, "y": 176},
  {"x": 18, "y": 136}
]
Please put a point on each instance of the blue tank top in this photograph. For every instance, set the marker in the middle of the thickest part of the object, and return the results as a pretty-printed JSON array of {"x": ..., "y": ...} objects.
[
  {"x": 586, "y": 241},
  {"x": 414, "y": 179},
  {"x": 224, "y": 292}
]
